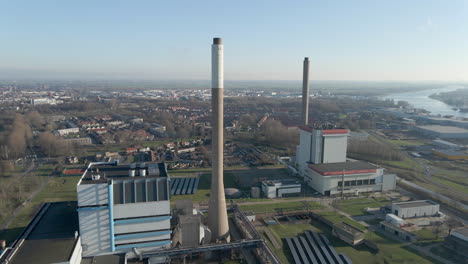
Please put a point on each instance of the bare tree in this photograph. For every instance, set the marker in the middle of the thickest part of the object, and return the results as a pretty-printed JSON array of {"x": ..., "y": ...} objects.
[
  {"x": 452, "y": 223},
  {"x": 438, "y": 226}
]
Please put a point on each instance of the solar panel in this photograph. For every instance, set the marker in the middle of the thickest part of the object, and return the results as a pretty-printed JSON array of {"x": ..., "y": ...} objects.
[
  {"x": 195, "y": 185},
  {"x": 315, "y": 248},
  {"x": 179, "y": 187},
  {"x": 331, "y": 249},
  {"x": 186, "y": 183},
  {"x": 323, "y": 248},
  {"x": 174, "y": 187},
  {"x": 308, "y": 250},
  {"x": 301, "y": 251},
  {"x": 190, "y": 186},
  {"x": 297, "y": 260}
]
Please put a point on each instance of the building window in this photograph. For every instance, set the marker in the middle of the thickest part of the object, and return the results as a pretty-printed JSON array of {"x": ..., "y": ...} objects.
[
  {"x": 365, "y": 182},
  {"x": 340, "y": 184},
  {"x": 359, "y": 182},
  {"x": 372, "y": 181},
  {"x": 353, "y": 183},
  {"x": 346, "y": 183}
]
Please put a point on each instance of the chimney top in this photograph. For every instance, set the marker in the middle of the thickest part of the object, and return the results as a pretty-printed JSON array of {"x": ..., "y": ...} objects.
[{"x": 217, "y": 41}]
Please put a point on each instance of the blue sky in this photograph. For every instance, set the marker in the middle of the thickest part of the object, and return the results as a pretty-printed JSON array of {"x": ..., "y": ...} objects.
[{"x": 264, "y": 40}]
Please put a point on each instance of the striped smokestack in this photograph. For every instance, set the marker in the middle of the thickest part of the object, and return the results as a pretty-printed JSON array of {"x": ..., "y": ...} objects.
[
  {"x": 217, "y": 214},
  {"x": 305, "y": 93}
]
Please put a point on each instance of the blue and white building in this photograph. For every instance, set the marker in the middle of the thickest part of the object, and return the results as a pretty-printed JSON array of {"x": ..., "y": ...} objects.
[{"x": 122, "y": 207}]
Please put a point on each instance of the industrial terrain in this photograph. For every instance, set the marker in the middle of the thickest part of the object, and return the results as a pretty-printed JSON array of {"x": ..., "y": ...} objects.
[{"x": 155, "y": 176}]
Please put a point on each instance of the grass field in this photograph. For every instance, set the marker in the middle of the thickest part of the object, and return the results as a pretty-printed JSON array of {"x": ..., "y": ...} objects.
[
  {"x": 336, "y": 217},
  {"x": 273, "y": 207},
  {"x": 356, "y": 207}
]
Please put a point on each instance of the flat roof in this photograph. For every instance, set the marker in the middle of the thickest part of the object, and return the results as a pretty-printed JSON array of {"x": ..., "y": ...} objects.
[
  {"x": 444, "y": 129},
  {"x": 53, "y": 238},
  {"x": 283, "y": 182},
  {"x": 349, "y": 167},
  {"x": 121, "y": 171},
  {"x": 415, "y": 203},
  {"x": 349, "y": 228},
  {"x": 450, "y": 152}
]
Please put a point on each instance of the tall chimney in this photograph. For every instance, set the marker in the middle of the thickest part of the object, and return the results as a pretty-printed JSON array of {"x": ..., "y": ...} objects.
[
  {"x": 217, "y": 214},
  {"x": 305, "y": 92}
]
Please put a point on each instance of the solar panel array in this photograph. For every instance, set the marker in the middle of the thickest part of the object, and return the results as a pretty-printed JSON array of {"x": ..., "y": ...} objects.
[
  {"x": 314, "y": 248},
  {"x": 183, "y": 186}
]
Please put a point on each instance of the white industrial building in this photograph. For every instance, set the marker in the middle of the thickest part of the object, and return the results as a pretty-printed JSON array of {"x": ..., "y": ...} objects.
[
  {"x": 280, "y": 188},
  {"x": 422, "y": 208},
  {"x": 121, "y": 207},
  {"x": 321, "y": 160}
]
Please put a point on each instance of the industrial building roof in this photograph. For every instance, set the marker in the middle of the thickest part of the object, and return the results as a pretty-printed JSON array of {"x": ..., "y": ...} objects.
[
  {"x": 444, "y": 129},
  {"x": 447, "y": 152},
  {"x": 332, "y": 131},
  {"x": 349, "y": 167},
  {"x": 282, "y": 182},
  {"x": 52, "y": 240},
  {"x": 415, "y": 204},
  {"x": 121, "y": 171}
]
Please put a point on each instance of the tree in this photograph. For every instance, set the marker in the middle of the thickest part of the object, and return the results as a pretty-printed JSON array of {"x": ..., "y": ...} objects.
[
  {"x": 48, "y": 143},
  {"x": 35, "y": 119},
  {"x": 452, "y": 223},
  {"x": 438, "y": 226}
]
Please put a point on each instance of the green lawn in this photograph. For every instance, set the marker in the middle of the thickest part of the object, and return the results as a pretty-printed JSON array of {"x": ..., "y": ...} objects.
[
  {"x": 336, "y": 217},
  {"x": 356, "y": 207},
  {"x": 272, "y": 207}
]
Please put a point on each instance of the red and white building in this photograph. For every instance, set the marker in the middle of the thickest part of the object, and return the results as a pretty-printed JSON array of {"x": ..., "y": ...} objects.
[{"x": 321, "y": 160}]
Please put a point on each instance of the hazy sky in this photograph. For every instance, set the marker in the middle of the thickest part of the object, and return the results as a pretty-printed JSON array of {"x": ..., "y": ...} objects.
[{"x": 264, "y": 40}]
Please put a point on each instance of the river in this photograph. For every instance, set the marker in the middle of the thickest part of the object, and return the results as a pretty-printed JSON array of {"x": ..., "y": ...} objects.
[{"x": 420, "y": 99}]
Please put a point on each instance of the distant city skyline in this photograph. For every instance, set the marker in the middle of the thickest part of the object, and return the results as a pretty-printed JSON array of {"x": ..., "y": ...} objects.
[{"x": 360, "y": 40}]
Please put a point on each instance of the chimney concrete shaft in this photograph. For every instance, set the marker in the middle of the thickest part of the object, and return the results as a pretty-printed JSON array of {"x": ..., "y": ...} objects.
[
  {"x": 217, "y": 213},
  {"x": 305, "y": 92}
]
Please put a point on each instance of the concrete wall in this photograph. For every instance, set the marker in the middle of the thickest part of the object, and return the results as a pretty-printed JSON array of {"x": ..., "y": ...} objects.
[
  {"x": 94, "y": 232},
  {"x": 416, "y": 211},
  {"x": 335, "y": 149},
  {"x": 303, "y": 150},
  {"x": 141, "y": 209},
  {"x": 316, "y": 147},
  {"x": 92, "y": 194},
  {"x": 388, "y": 182}
]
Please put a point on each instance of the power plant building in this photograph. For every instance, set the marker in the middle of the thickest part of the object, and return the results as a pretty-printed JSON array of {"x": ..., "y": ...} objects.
[
  {"x": 123, "y": 206},
  {"x": 321, "y": 160}
]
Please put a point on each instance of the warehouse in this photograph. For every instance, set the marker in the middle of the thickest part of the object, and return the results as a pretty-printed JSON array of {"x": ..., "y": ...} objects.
[
  {"x": 281, "y": 188},
  {"x": 450, "y": 154},
  {"x": 422, "y": 208},
  {"x": 443, "y": 131}
]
